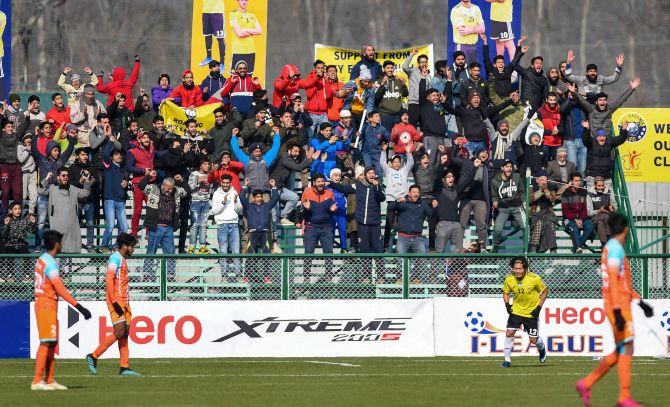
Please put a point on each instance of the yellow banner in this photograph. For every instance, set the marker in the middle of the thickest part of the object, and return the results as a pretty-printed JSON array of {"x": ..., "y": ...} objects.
[
  {"x": 345, "y": 59},
  {"x": 239, "y": 24},
  {"x": 645, "y": 157},
  {"x": 175, "y": 116}
]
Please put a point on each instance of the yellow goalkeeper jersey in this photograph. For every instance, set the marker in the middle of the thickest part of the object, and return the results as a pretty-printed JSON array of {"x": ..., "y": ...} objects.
[
  {"x": 526, "y": 293},
  {"x": 502, "y": 11}
]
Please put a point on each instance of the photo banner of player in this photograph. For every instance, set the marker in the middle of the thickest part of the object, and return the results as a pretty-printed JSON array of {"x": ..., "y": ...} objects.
[
  {"x": 238, "y": 26},
  {"x": 501, "y": 21},
  {"x": 645, "y": 157},
  {"x": 345, "y": 59},
  {"x": 5, "y": 48},
  {"x": 175, "y": 116}
]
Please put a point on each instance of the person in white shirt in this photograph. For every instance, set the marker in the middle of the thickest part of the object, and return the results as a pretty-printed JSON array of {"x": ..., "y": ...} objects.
[{"x": 227, "y": 208}]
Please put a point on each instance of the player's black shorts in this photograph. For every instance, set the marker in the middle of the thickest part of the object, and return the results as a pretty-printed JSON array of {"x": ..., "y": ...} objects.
[
  {"x": 529, "y": 324},
  {"x": 501, "y": 30},
  {"x": 212, "y": 24}
]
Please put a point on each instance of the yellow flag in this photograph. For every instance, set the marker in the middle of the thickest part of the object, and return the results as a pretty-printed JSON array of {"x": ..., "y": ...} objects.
[{"x": 175, "y": 116}]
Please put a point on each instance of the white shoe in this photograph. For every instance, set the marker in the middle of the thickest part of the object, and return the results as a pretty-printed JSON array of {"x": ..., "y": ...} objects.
[
  {"x": 286, "y": 222},
  {"x": 40, "y": 386},
  {"x": 55, "y": 386},
  {"x": 276, "y": 248}
]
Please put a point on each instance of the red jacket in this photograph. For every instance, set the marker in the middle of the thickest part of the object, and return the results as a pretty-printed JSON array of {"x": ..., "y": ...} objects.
[
  {"x": 285, "y": 87},
  {"x": 138, "y": 160},
  {"x": 334, "y": 103},
  {"x": 233, "y": 169},
  {"x": 189, "y": 97},
  {"x": 59, "y": 116},
  {"x": 318, "y": 94},
  {"x": 399, "y": 143},
  {"x": 119, "y": 83},
  {"x": 551, "y": 118}
]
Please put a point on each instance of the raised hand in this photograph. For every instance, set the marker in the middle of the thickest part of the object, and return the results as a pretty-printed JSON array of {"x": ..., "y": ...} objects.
[
  {"x": 88, "y": 70},
  {"x": 67, "y": 70},
  {"x": 333, "y": 208},
  {"x": 273, "y": 183},
  {"x": 571, "y": 87},
  {"x": 525, "y": 49},
  {"x": 619, "y": 59},
  {"x": 635, "y": 82},
  {"x": 571, "y": 57},
  {"x": 483, "y": 37},
  {"x": 236, "y": 131},
  {"x": 306, "y": 204},
  {"x": 521, "y": 40}
]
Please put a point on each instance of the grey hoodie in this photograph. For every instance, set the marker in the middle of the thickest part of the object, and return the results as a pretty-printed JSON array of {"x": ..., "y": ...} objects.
[{"x": 414, "y": 75}]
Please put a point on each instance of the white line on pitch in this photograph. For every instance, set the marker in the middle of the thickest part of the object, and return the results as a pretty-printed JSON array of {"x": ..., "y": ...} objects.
[
  {"x": 334, "y": 375},
  {"x": 320, "y": 362}
]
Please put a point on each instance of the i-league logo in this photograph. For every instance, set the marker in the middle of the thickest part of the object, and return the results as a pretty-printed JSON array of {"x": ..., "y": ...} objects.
[{"x": 637, "y": 126}]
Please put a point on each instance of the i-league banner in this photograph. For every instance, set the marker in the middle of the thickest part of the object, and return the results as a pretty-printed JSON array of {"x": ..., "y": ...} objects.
[
  {"x": 229, "y": 31},
  {"x": 345, "y": 59},
  {"x": 645, "y": 157},
  {"x": 501, "y": 21},
  {"x": 5, "y": 48}
]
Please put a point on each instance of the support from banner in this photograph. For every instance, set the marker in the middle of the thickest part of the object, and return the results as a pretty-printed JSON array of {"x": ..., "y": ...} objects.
[
  {"x": 345, "y": 59},
  {"x": 645, "y": 157},
  {"x": 229, "y": 31},
  {"x": 175, "y": 116}
]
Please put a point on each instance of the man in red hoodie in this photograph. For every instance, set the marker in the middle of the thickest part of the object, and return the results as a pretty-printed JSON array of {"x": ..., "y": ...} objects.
[
  {"x": 551, "y": 115},
  {"x": 188, "y": 93},
  {"x": 139, "y": 162},
  {"x": 59, "y": 114},
  {"x": 119, "y": 83},
  {"x": 318, "y": 95},
  {"x": 288, "y": 83}
]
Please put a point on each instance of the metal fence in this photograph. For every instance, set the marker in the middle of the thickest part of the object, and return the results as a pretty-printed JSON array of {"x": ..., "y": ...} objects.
[{"x": 289, "y": 277}]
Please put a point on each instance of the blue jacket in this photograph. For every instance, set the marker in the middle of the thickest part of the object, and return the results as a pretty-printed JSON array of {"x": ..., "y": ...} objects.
[
  {"x": 270, "y": 156},
  {"x": 330, "y": 150},
  {"x": 46, "y": 164},
  {"x": 374, "y": 67},
  {"x": 258, "y": 216},
  {"x": 368, "y": 200},
  {"x": 411, "y": 216},
  {"x": 114, "y": 174},
  {"x": 372, "y": 139},
  {"x": 213, "y": 85},
  {"x": 340, "y": 201}
]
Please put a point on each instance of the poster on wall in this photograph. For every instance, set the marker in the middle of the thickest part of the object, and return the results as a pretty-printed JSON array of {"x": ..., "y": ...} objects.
[
  {"x": 499, "y": 20},
  {"x": 231, "y": 32},
  {"x": 5, "y": 48}
]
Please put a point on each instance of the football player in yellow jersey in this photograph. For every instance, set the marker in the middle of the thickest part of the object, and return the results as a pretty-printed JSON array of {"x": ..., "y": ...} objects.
[
  {"x": 467, "y": 23},
  {"x": 502, "y": 13},
  {"x": 529, "y": 292},
  {"x": 245, "y": 25},
  {"x": 213, "y": 25}
]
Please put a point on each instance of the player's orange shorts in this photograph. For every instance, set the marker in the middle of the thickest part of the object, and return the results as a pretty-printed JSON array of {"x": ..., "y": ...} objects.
[
  {"x": 627, "y": 334},
  {"x": 47, "y": 324},
  {"x": 127, "y": 314}
]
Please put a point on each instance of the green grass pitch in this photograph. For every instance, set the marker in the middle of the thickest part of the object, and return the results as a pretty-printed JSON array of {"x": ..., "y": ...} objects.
[{"x": 325, "y": 382}]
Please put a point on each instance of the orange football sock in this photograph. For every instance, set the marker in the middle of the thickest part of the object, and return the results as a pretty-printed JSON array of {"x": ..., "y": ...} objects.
[
  {"x": 51, "y": 364},
  {"x": 40, "y": 362},
  {"x": 603, "y": 367},
  {"x": 106, "y": 343},
  {"x": 625, "y": 362},
  {"x": 124, "y": 353}
]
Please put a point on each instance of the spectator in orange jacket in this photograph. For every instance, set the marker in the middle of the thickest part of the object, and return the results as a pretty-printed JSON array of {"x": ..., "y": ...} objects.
[
  {"x": 189, "y": 93},
  {"x": 119, "y": 83},
  {"x": 288, "y": 83},
  {"x": 59, "y": 114}
]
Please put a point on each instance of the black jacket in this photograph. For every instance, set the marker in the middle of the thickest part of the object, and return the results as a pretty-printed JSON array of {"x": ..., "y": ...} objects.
[
  {"x": 368, "y": 200},
  {"x": 599, "y": 157},
  {"x": 287, "y": 165},
  {"x": 501, "y": 82},
  {"x": 474, "y": 128},
  {"x": 449, "y": 197},
  {"x": 412, "y": 215},
  {"x": 433, "y": 123},
  {"x": 534, "y": 85}
]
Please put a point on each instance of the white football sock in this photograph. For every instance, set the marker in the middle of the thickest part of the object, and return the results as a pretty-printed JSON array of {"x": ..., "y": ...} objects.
[
  {"x": 507, "y": 349},
  {"x": 539, "y": 343}
]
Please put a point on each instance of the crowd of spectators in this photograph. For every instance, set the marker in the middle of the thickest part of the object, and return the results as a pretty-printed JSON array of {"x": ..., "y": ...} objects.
[{"x": 377, "y": 157}]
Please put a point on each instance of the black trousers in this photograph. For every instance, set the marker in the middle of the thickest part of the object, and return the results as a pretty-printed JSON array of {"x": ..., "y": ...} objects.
[{"x": 370, "y": 238}]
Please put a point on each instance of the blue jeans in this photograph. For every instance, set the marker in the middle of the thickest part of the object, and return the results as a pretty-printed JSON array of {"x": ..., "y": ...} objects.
[
  {"x": 114, "y": 211},
  {"x": 42, "y": 216},
  {"x": 411, "y": 244},
  {"x": 228, "y": 236},
  {"x": 372, "y": 160},
  {"x": 319, "y": 234},
  {"x": 579, "y": 236},
  {"x": 88, "y": 210},
  {"x": 314, "y": 128},
  {"x": 577, "y": 153},
  {"x": 162, "y": 236},
  {"x": 474, "y": 147},
  {"x": 199, "y": 211}
]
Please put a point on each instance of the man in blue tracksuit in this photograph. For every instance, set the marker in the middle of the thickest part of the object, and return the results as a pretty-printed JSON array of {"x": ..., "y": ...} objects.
[
  {"x": 258, "y": 215},
  {"x": 328, "y": 145},
  {"x": 374, "y": 134},
  {"x": 339, "y": 217}
]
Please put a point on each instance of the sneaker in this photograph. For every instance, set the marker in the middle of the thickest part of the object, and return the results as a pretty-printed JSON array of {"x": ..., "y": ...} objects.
[
  {"x": 126, "y": 371},
  {"x": 543, "y": 355},
  {"x": 205, "y": 61},
  {"x": 191, "y": 250},
  {"x": 286, "y": 222},
  {"x": 506, "y": 364},
  {"x": 629, "y": 402},
  {"x": 579, "y": 250},
  {"x": 92, "y": 364},
  {"x": 203, "y": 250},
  {"x": 41, "y": 386},
  {"x": 276, "y": 248},
  {"x": 56, "y": 386},
  {"x": 584, "y": 393},
  {"x": 105, "y": 250}
]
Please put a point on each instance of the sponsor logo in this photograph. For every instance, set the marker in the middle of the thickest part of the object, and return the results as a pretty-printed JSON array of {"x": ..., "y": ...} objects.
[
  {"x": 186, "y": 330},
  {"x": 665, "y": 321},
  {"x": 351, "y": 329},
  {"x": 475, "y": 322},
  {"x": 637, "y": 126}
]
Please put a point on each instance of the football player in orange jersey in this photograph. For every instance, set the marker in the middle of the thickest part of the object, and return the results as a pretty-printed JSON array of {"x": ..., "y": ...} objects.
[
  {"x": 118, "y": 305},
  {"x": 48, "y": 287},
  {"x": 618, "y": 293}
]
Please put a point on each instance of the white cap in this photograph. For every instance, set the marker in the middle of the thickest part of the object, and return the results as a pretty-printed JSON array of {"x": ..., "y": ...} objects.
[{"x": 345, "y": 113}]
